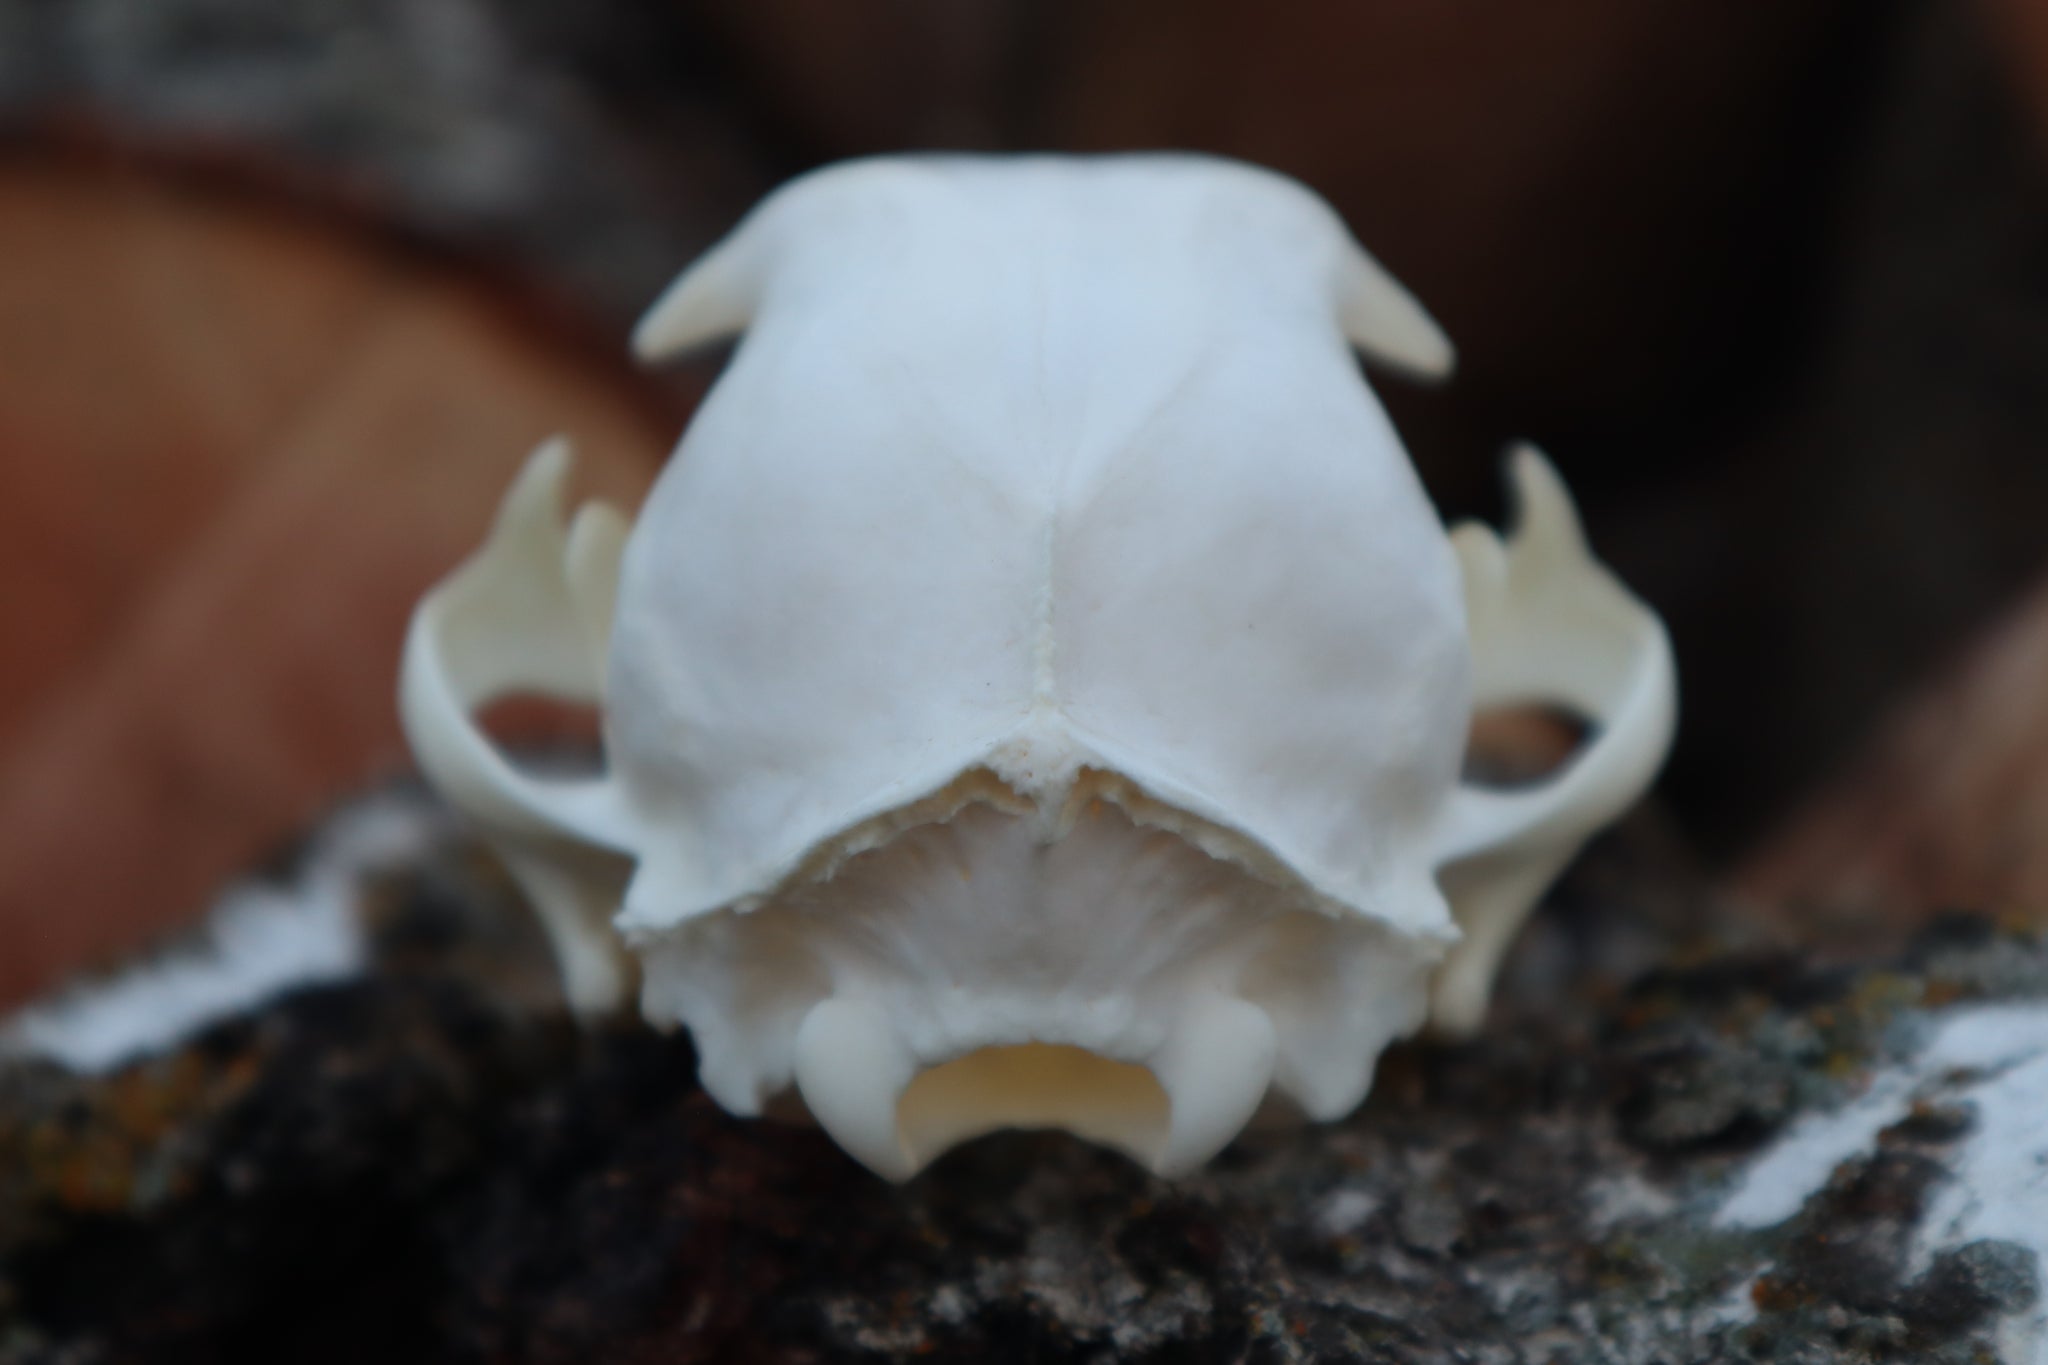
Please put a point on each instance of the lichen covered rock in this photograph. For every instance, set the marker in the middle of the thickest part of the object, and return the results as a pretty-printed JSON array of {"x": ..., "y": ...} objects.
[{"x": 424, "y": 1163}]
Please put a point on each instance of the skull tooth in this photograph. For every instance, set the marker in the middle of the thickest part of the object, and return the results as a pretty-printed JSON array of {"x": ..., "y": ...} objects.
[
  {"x": 1215, "y": 1070},
  {"x": 851, "y": 1069}
]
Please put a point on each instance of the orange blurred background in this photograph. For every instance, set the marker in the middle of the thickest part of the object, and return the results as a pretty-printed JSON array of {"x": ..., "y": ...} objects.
[{"x": 288, "y": 290}]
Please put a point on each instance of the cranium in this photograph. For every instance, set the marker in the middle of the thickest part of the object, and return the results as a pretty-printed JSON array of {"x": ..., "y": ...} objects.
[{"x": 1035, "y": 691}]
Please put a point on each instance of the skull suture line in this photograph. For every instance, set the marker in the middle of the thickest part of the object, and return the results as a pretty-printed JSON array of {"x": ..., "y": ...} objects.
[{"x": 1035, "y": 691}]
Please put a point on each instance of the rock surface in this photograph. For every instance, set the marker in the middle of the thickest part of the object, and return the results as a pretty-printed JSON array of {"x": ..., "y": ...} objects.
[{"x": 429, "y": 1162}]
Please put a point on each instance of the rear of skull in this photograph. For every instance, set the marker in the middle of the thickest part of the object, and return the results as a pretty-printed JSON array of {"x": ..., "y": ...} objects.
[{"x": 1035, "y": 691}]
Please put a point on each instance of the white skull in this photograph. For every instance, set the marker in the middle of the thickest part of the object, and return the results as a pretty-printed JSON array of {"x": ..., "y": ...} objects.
[{"x": 1034, "y": 692}]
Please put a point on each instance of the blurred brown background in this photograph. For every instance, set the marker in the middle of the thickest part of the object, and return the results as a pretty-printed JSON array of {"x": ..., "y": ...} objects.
[{"x": 288, "y": 289}]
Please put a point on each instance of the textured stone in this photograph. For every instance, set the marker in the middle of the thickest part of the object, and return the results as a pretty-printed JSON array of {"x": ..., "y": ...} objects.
[{"x": 428, "y": 1164}]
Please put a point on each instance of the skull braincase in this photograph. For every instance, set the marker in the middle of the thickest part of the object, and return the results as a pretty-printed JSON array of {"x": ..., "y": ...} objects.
[
  {"x": 1039, "y": 659},
  {"x": 1037, "y": 470}
]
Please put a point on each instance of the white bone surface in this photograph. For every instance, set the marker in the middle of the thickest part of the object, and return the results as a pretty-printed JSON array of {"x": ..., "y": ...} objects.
[{"x": 1040, "y": 639}]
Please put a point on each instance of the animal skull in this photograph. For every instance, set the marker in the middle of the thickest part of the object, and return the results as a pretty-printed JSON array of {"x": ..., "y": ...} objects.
[{"x": 1035, "y": 691}]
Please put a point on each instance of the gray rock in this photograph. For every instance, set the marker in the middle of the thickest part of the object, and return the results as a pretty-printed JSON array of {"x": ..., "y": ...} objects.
[{"x": 430, "y": 1162}]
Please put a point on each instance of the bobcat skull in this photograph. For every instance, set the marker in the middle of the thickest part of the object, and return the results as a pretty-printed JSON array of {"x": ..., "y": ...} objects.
[{"x": 1035, "y": 691}]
